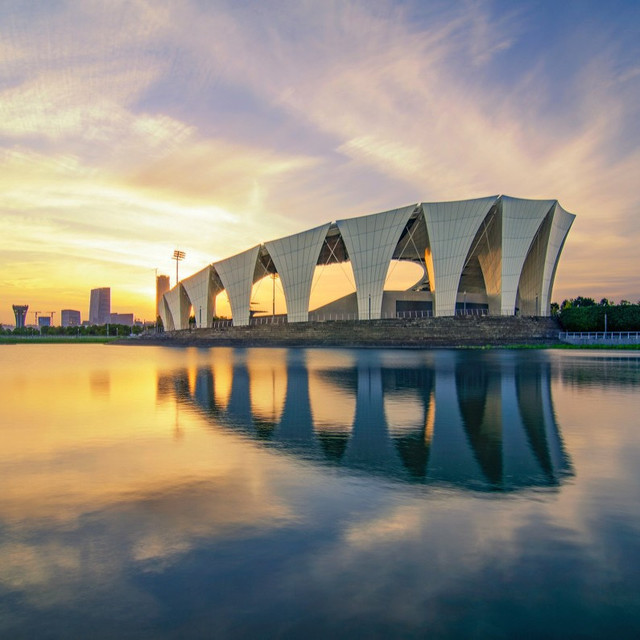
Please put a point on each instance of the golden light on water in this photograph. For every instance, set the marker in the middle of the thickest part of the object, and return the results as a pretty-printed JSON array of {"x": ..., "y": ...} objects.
[{"x": 166, "y": 492}]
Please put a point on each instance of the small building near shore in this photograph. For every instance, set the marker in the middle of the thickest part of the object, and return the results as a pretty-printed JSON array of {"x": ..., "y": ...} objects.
[
  {"x": 70, "y": 318},
  {"x": 122, "y": 318}
]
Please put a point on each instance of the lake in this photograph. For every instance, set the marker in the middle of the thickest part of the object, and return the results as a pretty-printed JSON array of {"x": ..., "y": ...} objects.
[{"x": 152, "y": 492}]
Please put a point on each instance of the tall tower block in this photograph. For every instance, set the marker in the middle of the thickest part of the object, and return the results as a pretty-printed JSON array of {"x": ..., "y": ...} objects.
[
  {"x": 100, "y": 306},
  {"x": 163, "y": 284}
]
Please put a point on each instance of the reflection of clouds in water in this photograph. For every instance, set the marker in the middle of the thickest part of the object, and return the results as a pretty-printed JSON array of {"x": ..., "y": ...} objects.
[
  {"x": 171, "y": 520},
  {"x": 389, "y": 527},
  {"x": 133, "y": 531},
  {"x": 96, "y": 549},
  {"x": 448, "y": 564},
  {"x": 28, "y": 565}
]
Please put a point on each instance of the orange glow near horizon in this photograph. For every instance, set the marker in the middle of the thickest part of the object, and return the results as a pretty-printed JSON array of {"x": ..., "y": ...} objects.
[{"x": 129, "y": 131}]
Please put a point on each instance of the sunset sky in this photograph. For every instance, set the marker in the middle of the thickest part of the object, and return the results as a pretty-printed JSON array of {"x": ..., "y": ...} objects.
[{"x": 129, "y": 129}]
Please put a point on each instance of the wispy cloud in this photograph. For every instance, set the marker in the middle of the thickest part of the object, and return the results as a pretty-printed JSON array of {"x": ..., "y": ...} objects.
[
  {"x": 222, "y": 125},
  {"x": 412, "y": 105}
]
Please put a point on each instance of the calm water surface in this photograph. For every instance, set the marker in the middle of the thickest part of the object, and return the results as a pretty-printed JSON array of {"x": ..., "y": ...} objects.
[{"x": 287, "y": 493}]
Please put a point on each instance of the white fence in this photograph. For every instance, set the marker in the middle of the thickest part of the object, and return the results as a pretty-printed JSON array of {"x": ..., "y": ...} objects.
[{"x": 600, "y": 337}]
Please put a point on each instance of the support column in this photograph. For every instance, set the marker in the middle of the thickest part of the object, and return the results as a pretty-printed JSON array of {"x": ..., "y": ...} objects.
[
  {"x": 451, "y": 227},
  {"x": 179, "y": 305},
  {"x": 236, "y": 274},
  {"x": 521, "y": 220},
  {"x": 371, "y": 241},
  {"x": 295, "y": 258}
]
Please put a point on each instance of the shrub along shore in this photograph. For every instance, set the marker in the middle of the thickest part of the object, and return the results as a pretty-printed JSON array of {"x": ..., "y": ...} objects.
[
  {"x": 600, "y": 317},
  {"x": 38, "y": 339}
]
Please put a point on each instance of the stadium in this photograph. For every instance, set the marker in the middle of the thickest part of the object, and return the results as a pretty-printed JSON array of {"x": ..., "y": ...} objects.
[{"x": 488, "y": 256}]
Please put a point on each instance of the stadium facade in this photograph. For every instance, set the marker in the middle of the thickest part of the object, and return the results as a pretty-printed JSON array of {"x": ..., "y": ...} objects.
[{"x": 496, "y": 254}]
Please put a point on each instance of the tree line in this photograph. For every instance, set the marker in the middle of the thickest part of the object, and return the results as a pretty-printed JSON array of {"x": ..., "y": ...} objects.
[
  {"x": 585, "y": 314},
  {"x": 91, "y": 330}
]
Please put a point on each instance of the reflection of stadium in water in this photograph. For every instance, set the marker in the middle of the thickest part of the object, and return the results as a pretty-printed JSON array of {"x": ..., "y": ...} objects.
[{"x": 481, "y": 421}]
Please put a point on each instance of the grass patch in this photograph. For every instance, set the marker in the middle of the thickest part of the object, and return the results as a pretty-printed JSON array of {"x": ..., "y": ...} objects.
[
  {"x": 563, "y": 345},
  {"x": 57, "y": 339},
  {"x": 615, "y": 347},
  {"x": 608, "y": 347}
]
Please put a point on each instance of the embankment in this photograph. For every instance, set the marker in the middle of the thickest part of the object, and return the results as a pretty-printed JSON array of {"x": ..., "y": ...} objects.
[{"x": 460, "y": 331}]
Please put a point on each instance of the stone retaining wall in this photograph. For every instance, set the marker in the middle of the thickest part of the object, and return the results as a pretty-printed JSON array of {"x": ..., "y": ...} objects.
[{"x": 424, "y": 332}]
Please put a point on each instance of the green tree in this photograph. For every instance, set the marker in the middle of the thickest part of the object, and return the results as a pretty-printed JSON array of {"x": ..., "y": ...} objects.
[
  {"x": 620, "y": 317},
  {"x": 581, "y": 301}
]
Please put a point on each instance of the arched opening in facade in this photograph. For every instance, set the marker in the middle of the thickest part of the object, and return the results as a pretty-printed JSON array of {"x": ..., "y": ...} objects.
[
  {"x": 479, "y": 286},
  {"x": 529, "y": 299},
  {"x": 267, "y": 292},
  {"x": 333, "y": 285},
  {"x": 406, "y": 289}
]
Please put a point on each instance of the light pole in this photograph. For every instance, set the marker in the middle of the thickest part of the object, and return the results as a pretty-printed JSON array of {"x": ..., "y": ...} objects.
[
  {"x": 464, "y": 303},
  {"x": 273, "y": 307},
  {"x": 155, "y": 316},
  {"x": 177, "y": 256}
]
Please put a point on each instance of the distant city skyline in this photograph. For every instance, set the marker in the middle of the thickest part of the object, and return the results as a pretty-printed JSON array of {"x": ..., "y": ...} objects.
[
  {"x": 99, "y": 312},
  {"x": 131, "y": 130}
]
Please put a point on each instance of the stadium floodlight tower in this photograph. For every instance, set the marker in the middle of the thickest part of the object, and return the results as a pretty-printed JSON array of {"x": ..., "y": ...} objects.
[{"x": 177, "y": 256}]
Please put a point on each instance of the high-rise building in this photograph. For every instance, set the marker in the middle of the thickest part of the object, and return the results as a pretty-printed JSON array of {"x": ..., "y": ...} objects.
[
  {"x": 20, "y": 311},
  {"x": 100, "y": 306},
  {"x": 70, "y": 318},
  {"x": 163, "y": 284},
  {"x": 122, "y": 318},
  {"x": 44, "y": 321}
]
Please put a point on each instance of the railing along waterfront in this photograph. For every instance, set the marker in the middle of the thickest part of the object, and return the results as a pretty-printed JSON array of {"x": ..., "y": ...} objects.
[
  {"x": 600, "y": 337},
  {"x": 220, "y": 324},
  {"x": 345, "y": 317}
]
